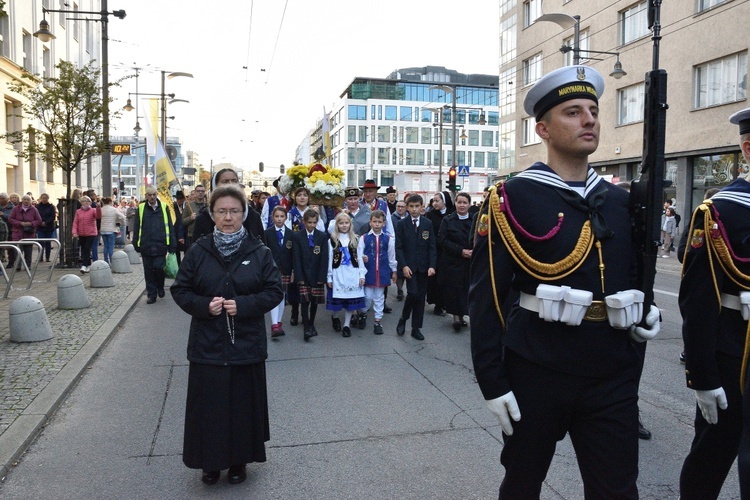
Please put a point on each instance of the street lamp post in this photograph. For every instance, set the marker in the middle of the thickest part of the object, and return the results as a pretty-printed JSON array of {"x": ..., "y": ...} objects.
[
  {"x": 565, "y": 21},
  {"x": 169, "y": 75},
  {"x": 45, "y": 35}
]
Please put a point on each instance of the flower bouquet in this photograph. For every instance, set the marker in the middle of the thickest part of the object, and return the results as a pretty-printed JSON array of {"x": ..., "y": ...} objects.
[{"x": 323, "y": 182}]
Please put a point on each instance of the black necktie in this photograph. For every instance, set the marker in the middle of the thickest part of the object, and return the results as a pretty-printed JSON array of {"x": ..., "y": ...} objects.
[{"x": 416, "y": 227}]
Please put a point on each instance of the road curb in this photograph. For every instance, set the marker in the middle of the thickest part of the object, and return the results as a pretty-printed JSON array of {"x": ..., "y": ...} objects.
[{"x": 24, "y": 430}]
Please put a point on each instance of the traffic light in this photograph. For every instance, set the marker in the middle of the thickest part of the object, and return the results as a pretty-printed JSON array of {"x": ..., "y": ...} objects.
[{"x": 451, "y": 182}]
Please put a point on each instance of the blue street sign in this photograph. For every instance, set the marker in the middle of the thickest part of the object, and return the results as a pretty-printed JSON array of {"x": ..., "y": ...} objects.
[{"x": 463, "y": 171}]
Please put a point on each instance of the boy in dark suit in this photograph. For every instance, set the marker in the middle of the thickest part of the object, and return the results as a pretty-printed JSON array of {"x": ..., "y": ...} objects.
[
  {"x": 279, "y": 240},
  {"x": 310, "y": 253},
  {"x": 416, "y": 253}
]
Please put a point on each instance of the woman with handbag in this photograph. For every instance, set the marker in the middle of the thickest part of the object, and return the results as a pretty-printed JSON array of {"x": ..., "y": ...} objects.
[{"x": 24, "y": 219}]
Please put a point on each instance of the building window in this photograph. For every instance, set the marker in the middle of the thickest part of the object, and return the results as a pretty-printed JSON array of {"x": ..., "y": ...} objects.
[
  {"x": 357, "y": 155},
  {"x": 532, "y": 69},
  {"x": 707, "y": 4},
  {"x": 63, "y": 8},
  {"x": 5, "y": 36},
  {"x": 426, "y": 135},
  {"x": 351, "y": 133},
  {"x": 532, "y": 9},
  {"x": 426, "y": 115},
  {"x": 487, "y": 138},
  {"x": 478, "y": 159},
  {"x": 508, "y": 40},
  {"x": 529, "y": 132},
  {"x": 26, "y": 58},
  {"x": 473, "y": 137},
  {"x": 390, "y": 113},
  {"x": 357, "y": 112},
  {"x": 583, "y": 45},
  {"x": 492, "y": 159},
  {"x": 47, "y": 62},
  {"x": 634, "y": 23},
  {"x": 721, "y": 81},
  {"x": 363, "y": 133},
  {"x": 384, "y": 133},
  {"x": 383, "y": 156},
  {"x": 405, "y": 113},
  {"x": 630, "y": 104},
  {"x": 412, "y": 135},
  {"x": 75, "y": 21}
]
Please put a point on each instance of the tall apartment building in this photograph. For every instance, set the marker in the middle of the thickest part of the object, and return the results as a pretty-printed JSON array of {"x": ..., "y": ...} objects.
[
  {"x": 704, "y": 49},
  {"x": 77, "y": 41},
  {"x": 389, "y": 129}
]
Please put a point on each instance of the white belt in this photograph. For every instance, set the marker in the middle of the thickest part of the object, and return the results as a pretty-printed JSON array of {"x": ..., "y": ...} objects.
[{"x": 731, "y": 302}]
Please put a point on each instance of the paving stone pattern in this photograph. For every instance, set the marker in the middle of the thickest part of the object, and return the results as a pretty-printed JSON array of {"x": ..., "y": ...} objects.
[{"x": 27, "y": 368}]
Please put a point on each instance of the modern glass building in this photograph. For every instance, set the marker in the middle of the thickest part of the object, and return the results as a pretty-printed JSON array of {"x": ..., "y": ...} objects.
[{"x": 408, "y": 129}]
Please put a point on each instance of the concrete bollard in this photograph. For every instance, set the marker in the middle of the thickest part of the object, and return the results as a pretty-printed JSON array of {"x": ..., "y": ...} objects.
[
  {"x": 101, "y": 275},
  {"x": 134, "y": 257},
  {"x": 28, "y": 320},
  {"x": 121, "y": 262},
  {"x": 71, "y": 294}
]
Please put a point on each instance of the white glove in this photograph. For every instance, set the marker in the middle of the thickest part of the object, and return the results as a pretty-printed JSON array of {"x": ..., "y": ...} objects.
[
  {"x": 505, "y": 407},
  {"x": 640, "y": 334},
  {"x": 707, "y": 402}
]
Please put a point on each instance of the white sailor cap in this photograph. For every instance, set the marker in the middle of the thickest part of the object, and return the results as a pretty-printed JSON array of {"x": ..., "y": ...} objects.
[
  {"x": 742, "y": 118},
  {"x": 563, "y": 84}
]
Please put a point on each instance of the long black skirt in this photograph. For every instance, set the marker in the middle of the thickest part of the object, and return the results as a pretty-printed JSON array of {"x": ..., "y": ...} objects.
[{"x": 226, "y": 416}]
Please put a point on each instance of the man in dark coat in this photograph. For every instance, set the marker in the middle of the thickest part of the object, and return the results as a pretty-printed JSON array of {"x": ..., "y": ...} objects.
[{"x": 153, "y": 238}]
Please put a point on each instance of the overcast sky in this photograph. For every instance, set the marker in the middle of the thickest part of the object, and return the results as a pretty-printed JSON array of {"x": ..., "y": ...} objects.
[{"x": 260, "y": 83}]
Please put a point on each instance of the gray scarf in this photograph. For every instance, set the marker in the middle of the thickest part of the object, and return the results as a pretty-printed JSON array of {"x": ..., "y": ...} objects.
[{"x": 227, "y": 244}]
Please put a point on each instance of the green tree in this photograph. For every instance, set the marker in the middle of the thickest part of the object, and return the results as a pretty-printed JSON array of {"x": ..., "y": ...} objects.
[
  {"x": 67, "y": 110},
  {"x": 64, "y": 116}
]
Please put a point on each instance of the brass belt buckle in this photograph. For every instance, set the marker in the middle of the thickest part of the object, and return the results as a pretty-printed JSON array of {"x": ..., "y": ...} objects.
[{"x": 597, "y": 311}]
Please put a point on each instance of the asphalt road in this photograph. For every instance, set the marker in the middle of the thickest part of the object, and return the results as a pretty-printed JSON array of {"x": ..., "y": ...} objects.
[{"x": 364, "y": 417}]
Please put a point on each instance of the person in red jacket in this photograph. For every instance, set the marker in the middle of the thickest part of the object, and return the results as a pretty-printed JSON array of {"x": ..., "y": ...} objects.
[{"x": 84, "y": 228}]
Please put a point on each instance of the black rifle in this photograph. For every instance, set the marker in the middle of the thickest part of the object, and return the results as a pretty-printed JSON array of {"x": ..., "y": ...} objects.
[{"x": 646, "y": 193}]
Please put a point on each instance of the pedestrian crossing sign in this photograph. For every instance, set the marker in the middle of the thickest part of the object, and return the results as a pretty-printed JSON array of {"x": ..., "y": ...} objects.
[{"x": 463, "y": 170}]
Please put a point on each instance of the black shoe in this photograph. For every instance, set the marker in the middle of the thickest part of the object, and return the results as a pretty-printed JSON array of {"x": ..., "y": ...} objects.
[
  {"x": 387, "y": 309},
  {"x": 457, "y": 326},
  {"x": 400, "y": 295},
  {"x": 336, "y": 325},
  {"x": 210, "y": 476},
  {"x": 307, "y": 334},
  {"x": 313, "y": 331},
  {"x": 463, "y": 322},
  {"x": 417, "y": 334},
  {"x": 150, "y": 300},
  {"x": 236, "y": 474},
  {"x": 161, "y": 293},
  {"x": 438, "y": 311},
  {"x": 377, "y": 329},
  {"x": 682, "y": 357},
  {"x": 293, "y": 321},
  {"x": 362, "y": 323},
  {"x": 401, "y": 327},
  {"x": 346, "y": 332},
  {"x": 643, "y": 433}
]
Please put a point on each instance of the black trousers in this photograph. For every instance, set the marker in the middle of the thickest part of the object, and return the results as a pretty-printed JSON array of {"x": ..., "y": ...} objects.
[
  {"x": 416, "y": 289},
  {"x": 715, "y": 447},
  {"x": 153, "y": 272},
  {"x": 599, "y": 414}
]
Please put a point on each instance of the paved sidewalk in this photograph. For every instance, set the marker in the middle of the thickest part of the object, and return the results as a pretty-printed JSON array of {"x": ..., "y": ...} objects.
[{"x": 36, "y": 377}]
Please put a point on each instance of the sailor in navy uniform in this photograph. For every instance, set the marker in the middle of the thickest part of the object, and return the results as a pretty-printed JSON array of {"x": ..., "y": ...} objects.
[
  {"x": 563, "y": 361},
  {"x": 713, "y": 294}
]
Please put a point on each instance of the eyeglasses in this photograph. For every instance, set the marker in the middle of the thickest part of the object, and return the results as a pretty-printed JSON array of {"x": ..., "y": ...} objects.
[{"x": 223, "y": 213}]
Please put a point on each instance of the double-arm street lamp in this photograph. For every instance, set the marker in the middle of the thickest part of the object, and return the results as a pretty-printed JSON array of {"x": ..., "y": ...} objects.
[
  {"x": 164, "y": 76},
  {"x": 565, "y": 21},
  {"x": 45, "y": 35}
]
